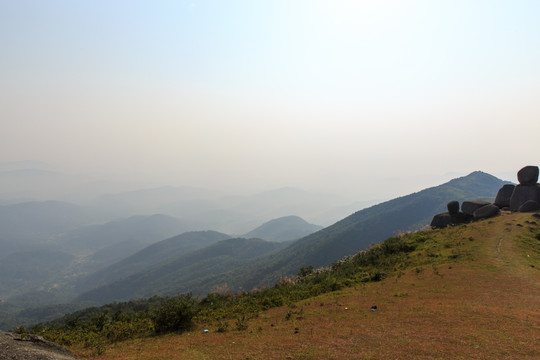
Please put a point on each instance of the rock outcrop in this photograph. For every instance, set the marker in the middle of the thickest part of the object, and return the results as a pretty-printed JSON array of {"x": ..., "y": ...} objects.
[
  {"x": 529, "y": 206},
  {"x": 469, "y": 207},
  {"x": 486, "y": 211},
  {"x": 453, "y": 207},
  {"x": 452, "y": 217},
  {"x": 503, "y": 196},
  {"x": 522, "y": 194},
  {"x": 441, "y": 221},
  {"x": 524, "y": 197},
  {"x": 31, "y": 347},
  {"x": 528, "y": 175},
  {"x": 528, "y": 188}
]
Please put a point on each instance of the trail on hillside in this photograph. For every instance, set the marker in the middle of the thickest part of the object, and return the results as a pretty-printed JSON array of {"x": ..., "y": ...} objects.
[{"x": 503, "y": 236}]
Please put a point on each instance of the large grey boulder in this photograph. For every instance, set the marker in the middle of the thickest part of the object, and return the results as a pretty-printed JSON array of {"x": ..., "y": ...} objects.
[
  {"x": 453, "y": 207},
  {"x": 486, "y": 212},
  {"x": 441, "y": 221},
  {"x": 468, "y": 207},
  {"x": 446, "y": 219},
  {"x": 504, "y": 195},
  {"x": 522, "y": 194},
  {"x": 31, "y": 347},
  {"x": 460, "y": 218},
  {"x": 528, "y": 175},
  {"x": 529, "y": 206}
]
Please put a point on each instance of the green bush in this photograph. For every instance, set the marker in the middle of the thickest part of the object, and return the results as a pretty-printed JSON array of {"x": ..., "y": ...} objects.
[
  {"x": 241, "y": 323},
  {"x": 222, "y": 326},
  {"x": 123, "y": 330},
  {"x": 174, "y": 314}
]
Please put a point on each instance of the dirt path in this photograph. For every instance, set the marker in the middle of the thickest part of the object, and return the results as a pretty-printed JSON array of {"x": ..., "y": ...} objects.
[{"x": 503, "y": 249}]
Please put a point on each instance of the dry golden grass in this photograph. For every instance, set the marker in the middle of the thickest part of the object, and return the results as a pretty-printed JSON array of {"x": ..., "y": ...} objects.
[{"x": 487, "y": 307}]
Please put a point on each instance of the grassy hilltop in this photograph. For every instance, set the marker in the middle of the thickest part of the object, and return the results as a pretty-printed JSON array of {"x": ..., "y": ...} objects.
[{"x": 467, "y": 292}]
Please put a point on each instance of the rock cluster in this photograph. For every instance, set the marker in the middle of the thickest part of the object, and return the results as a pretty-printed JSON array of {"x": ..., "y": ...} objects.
[{"x": 524, "y": 197}]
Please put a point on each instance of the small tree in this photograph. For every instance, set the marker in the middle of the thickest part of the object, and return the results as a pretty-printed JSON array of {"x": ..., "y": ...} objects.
[
  {"x": 305, "y": 271},
  {"x": 174, "y": 314}
]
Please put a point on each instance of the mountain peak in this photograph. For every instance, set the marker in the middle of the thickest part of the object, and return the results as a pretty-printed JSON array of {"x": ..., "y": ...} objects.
[{"x": 285, "y": 228}]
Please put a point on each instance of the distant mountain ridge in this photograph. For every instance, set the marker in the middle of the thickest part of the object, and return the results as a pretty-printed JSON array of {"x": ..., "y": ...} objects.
[
  {"x": 118, "y": 239},
  {"x": 278, "y": 230},
  {"x": 353, "y": 233},
  {"x": 33, "y": 223},
  {"x": 153, "y": 255},
  {"x": 31, "y": 266},
  {"x": 187, "y": 273},
  {"x": 365, "y": 227},
  {"x": 283, "y": 229},
  {"x": 138, "y": 226}
]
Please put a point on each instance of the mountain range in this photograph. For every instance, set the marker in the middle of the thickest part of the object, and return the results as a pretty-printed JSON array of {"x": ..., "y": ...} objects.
[
  {"x": 353, "y": 233},
  {"x": 283, "y": 229},
  {"x": 87, "y": 263},
  {"x": 56, "y": 270}
]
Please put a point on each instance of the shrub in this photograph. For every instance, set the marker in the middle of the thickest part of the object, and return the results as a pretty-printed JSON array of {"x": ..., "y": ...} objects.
[
  {"x": 123, "y": 330},
  {"x": 395, "y": 245},
  {"x": 242, "y": 323},
  {"x": 305, "y": 271},
  {"x": 174, "y": 314},
  {"x": 222, "y": 326}
]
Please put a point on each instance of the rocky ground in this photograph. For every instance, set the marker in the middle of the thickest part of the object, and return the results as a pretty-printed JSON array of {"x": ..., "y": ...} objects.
[{"x": 31, "y": 347}]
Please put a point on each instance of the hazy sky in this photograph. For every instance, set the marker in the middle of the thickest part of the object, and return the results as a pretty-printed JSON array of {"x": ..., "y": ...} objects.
[{"x": 370, "y": 97}]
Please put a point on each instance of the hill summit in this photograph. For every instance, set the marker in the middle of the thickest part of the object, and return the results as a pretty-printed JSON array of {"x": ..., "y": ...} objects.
[{"x": 283, "y": 229}]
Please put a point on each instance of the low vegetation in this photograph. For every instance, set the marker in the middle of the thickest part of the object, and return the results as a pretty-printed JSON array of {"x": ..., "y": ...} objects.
[{"x": 92, "y": 329}]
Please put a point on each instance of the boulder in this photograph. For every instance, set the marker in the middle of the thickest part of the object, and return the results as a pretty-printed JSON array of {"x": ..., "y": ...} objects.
[
  {"x": 522, "y": 194},
  {"x": 31, "y": 347},
  {"x": 468, "y": 207},
  {"x": 503, "y": 196},
  {"x": 528, "y": 175},
  {"x": 453, "y": 207},
  {"x": 441, "y": 221},
  {"x": 446, "y": 219},
  {"x": 529, "y": 206},
  {"x": 486, "y": 211},
  {"x": 460, "y": 218}
]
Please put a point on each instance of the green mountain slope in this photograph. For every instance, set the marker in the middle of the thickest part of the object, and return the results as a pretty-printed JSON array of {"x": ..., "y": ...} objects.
[
  {"x": 141, "y": 228},
  {"x": 187, "y": 273},
  {"x": 153, "y": 255},
  {"x": 346, "y": 237},
  {"x": 26, "y": 271},
  {"x": 283, "y": 229},
  {"x": 468, "y": 291},
  {"x": 369, "y": 226},
  {"x": 44, "y": 273}
]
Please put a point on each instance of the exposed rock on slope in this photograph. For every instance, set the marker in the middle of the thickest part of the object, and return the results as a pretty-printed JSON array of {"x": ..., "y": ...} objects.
[
  {"x": 527, "y": 190},
  {"x": 31, "y": 347},
  {"x": 524, "y": 197}
]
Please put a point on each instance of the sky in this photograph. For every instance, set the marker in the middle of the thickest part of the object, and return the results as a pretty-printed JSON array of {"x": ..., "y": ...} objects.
[{"x": 369, "y": 99}]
